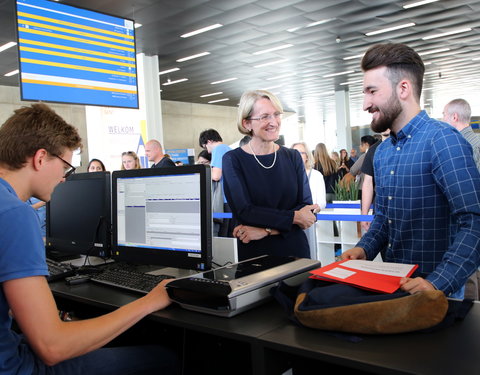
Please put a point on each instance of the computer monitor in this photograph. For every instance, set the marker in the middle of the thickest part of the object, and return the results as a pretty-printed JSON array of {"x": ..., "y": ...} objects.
[
  {"x": 78, "y": 220},
  {"x": 163, "y": 216},
  {"x": 68, "y": 54}
]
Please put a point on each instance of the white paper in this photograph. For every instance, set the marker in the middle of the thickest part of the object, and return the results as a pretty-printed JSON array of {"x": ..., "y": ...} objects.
[
  {"x": 382, "y": 268},
  {"x": 340, "y": 273}
]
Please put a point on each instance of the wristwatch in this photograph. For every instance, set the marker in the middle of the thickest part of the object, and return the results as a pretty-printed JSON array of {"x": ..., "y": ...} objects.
[{"x": 269, "y": 231}]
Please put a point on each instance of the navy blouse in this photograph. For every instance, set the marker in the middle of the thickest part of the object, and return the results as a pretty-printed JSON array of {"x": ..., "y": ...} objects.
[{"x": 267, "y": 198}]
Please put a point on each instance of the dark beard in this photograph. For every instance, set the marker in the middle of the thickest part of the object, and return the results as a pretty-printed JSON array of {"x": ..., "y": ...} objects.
[{"x": 387, "y": 116}]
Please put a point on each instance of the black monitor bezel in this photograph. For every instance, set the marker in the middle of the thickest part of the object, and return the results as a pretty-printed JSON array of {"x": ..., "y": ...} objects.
[
  {"x": 89, "y": 247},
  {"x": 168, "y": 258}
]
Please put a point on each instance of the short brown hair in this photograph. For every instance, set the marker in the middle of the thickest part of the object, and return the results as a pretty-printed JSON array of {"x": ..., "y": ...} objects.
[
  {"x": 32, "y": 128},
  {"x": 400, "y": 60}
]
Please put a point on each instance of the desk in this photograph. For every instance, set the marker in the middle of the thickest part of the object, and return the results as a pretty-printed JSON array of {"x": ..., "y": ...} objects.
[{"x": 262, "y": 341}]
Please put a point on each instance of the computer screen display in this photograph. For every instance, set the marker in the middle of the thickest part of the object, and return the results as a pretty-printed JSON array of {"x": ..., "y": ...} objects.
[
  {"x": 74, "y": 55},
  {"x": 79, "y": 215},
  {"x": 163, "y": 216}
]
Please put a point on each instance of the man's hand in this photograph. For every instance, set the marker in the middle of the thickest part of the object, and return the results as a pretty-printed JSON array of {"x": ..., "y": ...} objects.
[
  {"x": 354, "y": 253},
  {"x": 418, "y": 284}
]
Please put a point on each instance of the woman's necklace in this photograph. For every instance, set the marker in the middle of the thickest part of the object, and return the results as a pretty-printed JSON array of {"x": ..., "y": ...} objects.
[{"x": 258, "y": 161}]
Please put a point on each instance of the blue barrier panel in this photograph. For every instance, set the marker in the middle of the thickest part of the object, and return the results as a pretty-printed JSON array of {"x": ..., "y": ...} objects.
[{"x": 333, "y": 217}]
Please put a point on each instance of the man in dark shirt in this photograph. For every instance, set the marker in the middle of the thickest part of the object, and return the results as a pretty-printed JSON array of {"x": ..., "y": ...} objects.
[{"x": 154, "y": 152}]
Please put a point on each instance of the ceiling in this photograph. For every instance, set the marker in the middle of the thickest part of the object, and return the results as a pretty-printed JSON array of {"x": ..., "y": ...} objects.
[{"x": 316, "y": 50}]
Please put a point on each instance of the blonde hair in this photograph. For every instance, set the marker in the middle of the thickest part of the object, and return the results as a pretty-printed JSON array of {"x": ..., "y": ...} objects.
[
  {"x": 134, "y": 156},
  {"x": 309, "y": 161},
  {"x": 247, "y": 101},
  {"x": 323, "y": 160}
]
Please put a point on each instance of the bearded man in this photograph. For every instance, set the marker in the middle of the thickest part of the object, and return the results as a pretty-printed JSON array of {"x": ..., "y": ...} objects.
[{"x": 427, "y": 205}]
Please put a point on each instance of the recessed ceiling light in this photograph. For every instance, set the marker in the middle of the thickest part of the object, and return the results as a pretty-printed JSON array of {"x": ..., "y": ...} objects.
[
  {"x": 448, "y": 33},
  {"x": 283, "y": 46},
  {"x": 338, "y": 74},
  {"x": 393, "y": 28},
  {"x": 353, "y": 57},
  {"x": 418, "y": 3},
  {"x": 351, "y": 82},
  {"x": 202, "y": 30},
  {"x": 12, "y": 73},
  {"x": 281, "y": 76},
  {"x": 434, "y": 51},
  {"x": 168, "y": 71},
  {"x": 270, "y": 63},
  {"x": 212, "y": 94},
  {"x": 7, "y": 46},
  {"x": 218, "y": 100},
  {"x": 193, "y": 56},
  {"x": 223, "y": 80},
  {"x": 320, "y": 22},
  {"x": 173, "y": 82}
]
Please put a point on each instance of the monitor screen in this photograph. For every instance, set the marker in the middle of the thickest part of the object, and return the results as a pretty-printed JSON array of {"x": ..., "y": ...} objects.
[
  {"x": 73, "y": 55},
  {"x": 163, "y": 216},
  {"x": 79, "y": 215}
]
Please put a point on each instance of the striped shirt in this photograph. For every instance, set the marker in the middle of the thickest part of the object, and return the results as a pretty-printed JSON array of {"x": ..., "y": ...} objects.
[{"x": 427, "y": 203}]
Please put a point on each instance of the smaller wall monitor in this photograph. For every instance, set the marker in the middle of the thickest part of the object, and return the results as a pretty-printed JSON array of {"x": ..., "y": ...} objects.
[
  {"x": 79, "y": 216},
  {"x": 163, "y": 216},
  {"x": 74, "y": 55}
]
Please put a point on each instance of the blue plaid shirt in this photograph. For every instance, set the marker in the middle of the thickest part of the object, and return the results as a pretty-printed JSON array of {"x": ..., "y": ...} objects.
[{"x": 427, "y": 203}]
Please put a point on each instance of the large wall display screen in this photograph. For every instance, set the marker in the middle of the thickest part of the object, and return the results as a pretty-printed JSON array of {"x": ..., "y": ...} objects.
[{"x": 73, "y": 55}]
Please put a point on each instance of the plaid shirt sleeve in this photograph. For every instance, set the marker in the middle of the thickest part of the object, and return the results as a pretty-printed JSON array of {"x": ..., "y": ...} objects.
[{"x": 427, "y": 203}]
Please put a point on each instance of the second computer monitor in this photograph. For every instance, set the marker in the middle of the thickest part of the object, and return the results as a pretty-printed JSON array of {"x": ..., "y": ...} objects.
[{"x": 163, "y": 216}]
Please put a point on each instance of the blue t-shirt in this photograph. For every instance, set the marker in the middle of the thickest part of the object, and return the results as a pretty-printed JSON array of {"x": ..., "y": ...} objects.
[
  {"x": 41, "y": 214},
  {"x": 217, "y": 156},
  {"x": 22, "y": 254}
]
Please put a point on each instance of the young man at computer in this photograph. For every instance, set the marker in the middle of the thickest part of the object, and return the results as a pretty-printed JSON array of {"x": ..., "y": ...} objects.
[{"x": 36, "y": 148}]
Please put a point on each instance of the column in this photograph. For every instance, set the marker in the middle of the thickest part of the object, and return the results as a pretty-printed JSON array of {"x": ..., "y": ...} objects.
[{"x": 342, "y": 109}]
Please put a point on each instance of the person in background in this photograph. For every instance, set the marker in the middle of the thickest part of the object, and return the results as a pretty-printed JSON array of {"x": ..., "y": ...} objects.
[
  {"x": 211, "y": 141},
  {"x": 36, "y": 149},
  {"x": 130, "y": 160},
  {"x": 40, "y": 211},
  {"x": 427, "y": 203},
  {"x": 204, "y": 157},
  {"x": 315, "y": 178},
  {"x": 323, "y": 163},
  {"x": 154, "y": 153},
  {"x": 458, "y": 113},
  {"x": 336, "y": 158},
  {"x": 368, "y": 187},
  {"x": 356, "y": 170},
  {"x": 345, "y": 163},
  {"x": 266, "y": 184},
  {"x": 353, "y": 154},
  {"x": 96, "y": 165}
]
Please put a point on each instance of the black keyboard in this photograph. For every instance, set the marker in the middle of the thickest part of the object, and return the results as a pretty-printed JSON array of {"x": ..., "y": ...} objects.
[
  {"x": 59, "y": 271},
  {"x": 129, "y": 279}
]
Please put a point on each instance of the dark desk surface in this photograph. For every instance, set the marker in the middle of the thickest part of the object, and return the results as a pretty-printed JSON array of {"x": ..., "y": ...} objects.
[
  {"x": 453, "y": 350},
  {"x": 245, "y": 327}
]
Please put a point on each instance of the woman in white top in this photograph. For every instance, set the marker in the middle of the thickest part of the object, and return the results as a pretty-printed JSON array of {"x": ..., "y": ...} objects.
[{"x": 315, "y": 178}]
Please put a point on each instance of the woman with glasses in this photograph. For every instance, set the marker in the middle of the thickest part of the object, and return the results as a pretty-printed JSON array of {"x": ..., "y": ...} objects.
[
  {"x": 266, "y": 184},
  {"x": 130, "y": 160}
]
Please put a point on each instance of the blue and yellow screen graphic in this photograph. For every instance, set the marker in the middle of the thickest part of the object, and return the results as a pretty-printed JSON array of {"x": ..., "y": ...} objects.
[{"x": 74, "y": 55}]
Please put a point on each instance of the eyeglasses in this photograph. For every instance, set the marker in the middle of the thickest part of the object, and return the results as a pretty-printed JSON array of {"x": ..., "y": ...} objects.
[
  {"x": 68, "y": 171},
  {"x": 266, "y": 118},
  {"x": 128, "y": 153}
]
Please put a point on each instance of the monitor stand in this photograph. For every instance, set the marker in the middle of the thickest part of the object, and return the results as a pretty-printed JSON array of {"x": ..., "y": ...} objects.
[{"x": 58, "y": 256}]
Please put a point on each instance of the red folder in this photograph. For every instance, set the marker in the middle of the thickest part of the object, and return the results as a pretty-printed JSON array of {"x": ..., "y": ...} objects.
[{"x": 380, "y": 281}]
